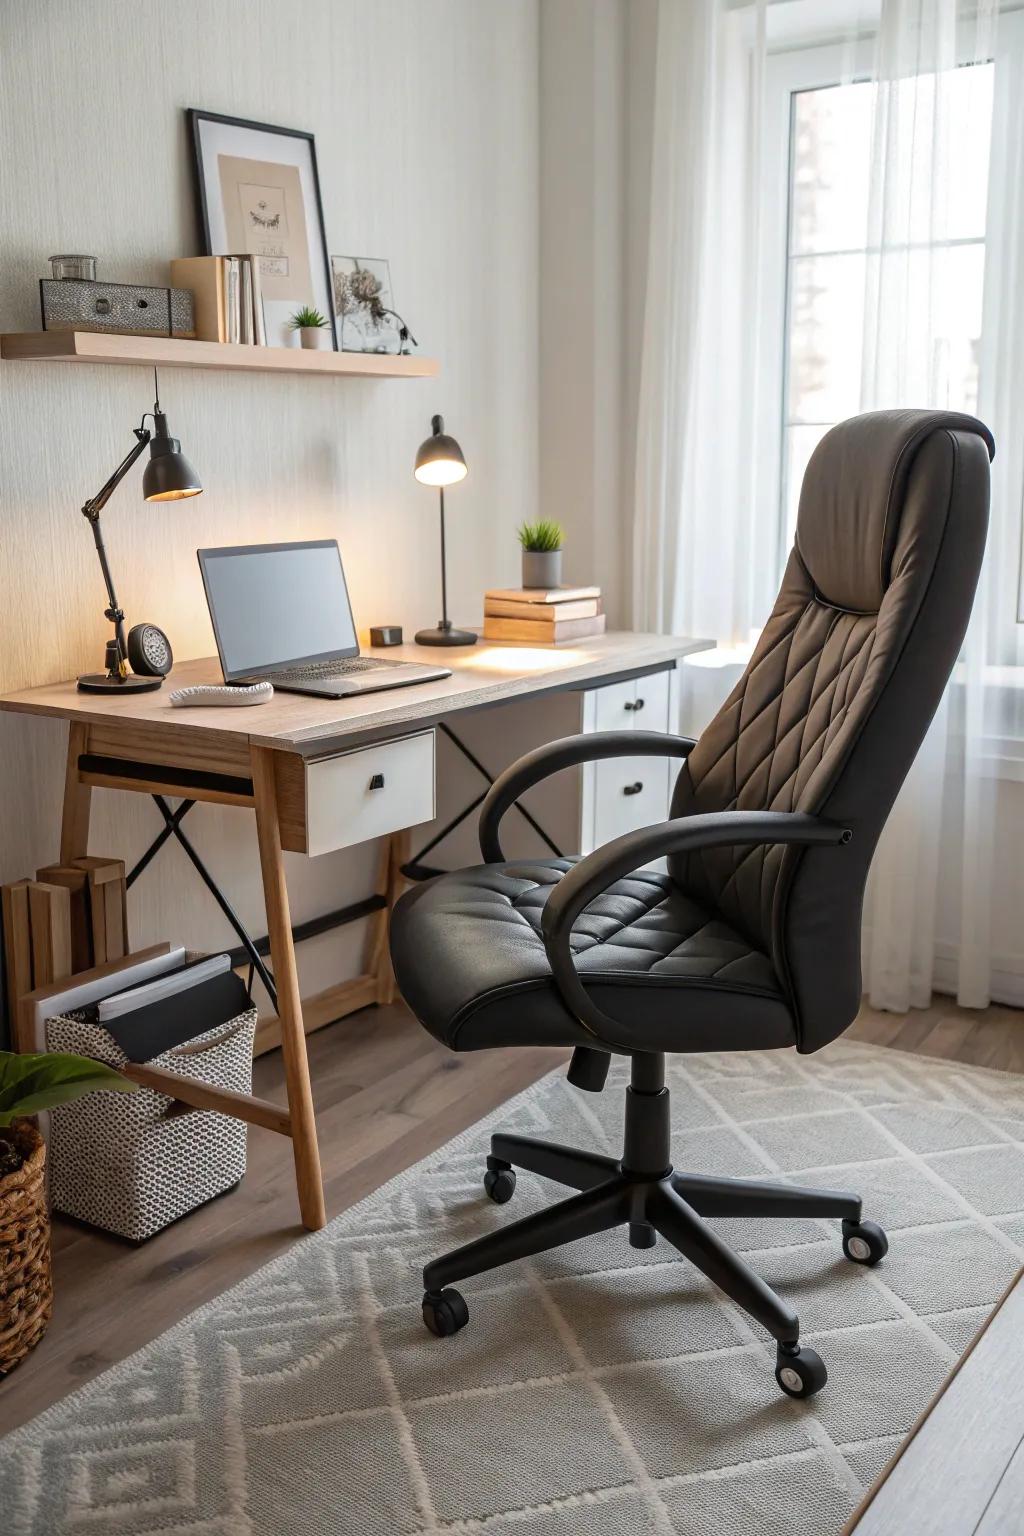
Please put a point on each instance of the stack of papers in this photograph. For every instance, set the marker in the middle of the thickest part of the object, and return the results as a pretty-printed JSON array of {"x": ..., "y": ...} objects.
[{"x": 159, "y": 1004}]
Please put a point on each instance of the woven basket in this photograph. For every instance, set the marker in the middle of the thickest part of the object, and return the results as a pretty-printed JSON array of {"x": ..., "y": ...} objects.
[
  {"x": 131, "y": 1163},
  {"x": 26, "y": 1287}
]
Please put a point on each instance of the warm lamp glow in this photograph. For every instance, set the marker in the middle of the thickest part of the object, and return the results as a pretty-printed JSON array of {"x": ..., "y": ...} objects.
[
  {"x": 193, "y": 490},
  {"x": 441, "y": 472},
  {"x": 516, "y": 659}
]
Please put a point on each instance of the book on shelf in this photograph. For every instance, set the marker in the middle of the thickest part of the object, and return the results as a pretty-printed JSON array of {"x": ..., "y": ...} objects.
[
  {"x": 259, "y": 323},
  {"x": 232, "y": 299},
  {"x": 544, "y": 595},
  {"x": 204, "y": 277},
  {"x": 542, "y": 631},
  {"x": 246, "y": 325},
  {"x": 227, "y": 297},
  {"x": 503, "y": 608}
]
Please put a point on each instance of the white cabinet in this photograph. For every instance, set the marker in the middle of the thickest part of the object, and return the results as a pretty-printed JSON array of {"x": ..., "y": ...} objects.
[
  {"x": 578, "y": 809},
  {"x": 623, "y": 793}
]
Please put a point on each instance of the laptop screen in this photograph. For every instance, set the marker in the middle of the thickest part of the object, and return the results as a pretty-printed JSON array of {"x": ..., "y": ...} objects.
[{"x": 278, "y": 605}]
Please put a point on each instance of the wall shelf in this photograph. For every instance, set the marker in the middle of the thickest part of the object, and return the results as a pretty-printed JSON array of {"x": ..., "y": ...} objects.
[{"x": 175, "y": 352}]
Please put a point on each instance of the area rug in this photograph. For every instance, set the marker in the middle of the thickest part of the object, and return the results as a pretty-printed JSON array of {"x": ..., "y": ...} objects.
[{"x": 599, "y": 1391}]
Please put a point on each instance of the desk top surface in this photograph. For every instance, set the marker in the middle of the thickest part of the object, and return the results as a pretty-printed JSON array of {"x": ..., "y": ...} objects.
[{"x": 482, "y": 674}]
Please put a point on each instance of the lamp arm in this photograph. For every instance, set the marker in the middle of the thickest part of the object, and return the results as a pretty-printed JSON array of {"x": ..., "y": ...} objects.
[
  {"x": 91, "y": 512},
  {"x": 94, "y": 506}
]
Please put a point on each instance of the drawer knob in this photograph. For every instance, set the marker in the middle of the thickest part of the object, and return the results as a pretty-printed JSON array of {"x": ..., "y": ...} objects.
[
  {"x": 634, "y": 704},
  {"x": 377, "y": 782},
  {"x": 633, "y": 789}
]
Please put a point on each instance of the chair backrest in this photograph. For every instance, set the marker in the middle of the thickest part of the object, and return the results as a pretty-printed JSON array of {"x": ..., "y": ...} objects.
[{"x": 839, "y": 693}]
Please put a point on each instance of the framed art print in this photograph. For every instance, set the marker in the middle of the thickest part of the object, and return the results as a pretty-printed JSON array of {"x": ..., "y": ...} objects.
[
  {"x": 258, "y": 193},
  {"x": 363, "y": 305}
]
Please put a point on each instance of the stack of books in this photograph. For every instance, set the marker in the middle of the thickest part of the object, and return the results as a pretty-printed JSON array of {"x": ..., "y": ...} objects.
[
  {"x": 227, "y": 297},
  {"x": 535, "y": 616}
]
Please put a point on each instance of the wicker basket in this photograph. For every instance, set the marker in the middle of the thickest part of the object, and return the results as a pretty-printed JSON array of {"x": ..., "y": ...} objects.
[{"x": 26, "y": 1286}]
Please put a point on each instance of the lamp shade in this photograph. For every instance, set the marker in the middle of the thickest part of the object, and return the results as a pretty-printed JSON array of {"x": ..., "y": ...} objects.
[
  {"x": 168, "y": 476},
  {"x": 439, "y": 459}
]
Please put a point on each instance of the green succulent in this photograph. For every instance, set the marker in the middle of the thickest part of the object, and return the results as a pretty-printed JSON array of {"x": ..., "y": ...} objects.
[
  {"x": 31, "y": 1083},
  {"x": 307, "y": 318},
  {"x": 542, "y": 537}
]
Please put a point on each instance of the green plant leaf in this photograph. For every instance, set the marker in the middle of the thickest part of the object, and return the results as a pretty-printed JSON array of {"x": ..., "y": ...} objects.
[
  {"x": 307, "y": 317},
  {"x": 30, "y": 1083},
  {"x": 541, "y": 537}
]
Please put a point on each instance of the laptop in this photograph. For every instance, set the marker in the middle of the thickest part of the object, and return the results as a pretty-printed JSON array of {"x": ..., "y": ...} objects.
[{"x": 281, "y": 614}]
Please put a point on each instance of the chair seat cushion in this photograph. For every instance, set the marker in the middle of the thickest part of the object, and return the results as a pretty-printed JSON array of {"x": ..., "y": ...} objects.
[{"x": 471, "y": 964}]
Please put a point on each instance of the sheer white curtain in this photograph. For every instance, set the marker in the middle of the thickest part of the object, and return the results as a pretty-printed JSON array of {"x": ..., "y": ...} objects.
[
  {"x": 706, "y": 518},
  {"x": 700, "y": 548},
  {"x": 946, "y": 149}
]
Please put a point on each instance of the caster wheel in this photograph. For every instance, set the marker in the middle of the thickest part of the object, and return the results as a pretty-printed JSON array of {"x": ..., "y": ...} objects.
[
  {"x": 642, "y": 1235},
  {"x": 500, "y": 1184},
  {"x": 445, "y": 1312},
  {"x": 802, "y": 1374},
  {"x": 864, "y": 1242}
]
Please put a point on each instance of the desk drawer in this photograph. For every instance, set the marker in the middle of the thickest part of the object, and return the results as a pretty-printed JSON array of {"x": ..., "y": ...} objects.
[
  {"x": 622, "y": 793},
  {"x": 350, "y": 797}
]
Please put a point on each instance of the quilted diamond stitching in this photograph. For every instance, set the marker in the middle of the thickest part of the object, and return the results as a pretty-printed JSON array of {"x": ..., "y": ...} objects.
[
  {"x": 793, "y": 727},
  {"x": 807, "y": 760},
  {"x": 602, "y": 926}
]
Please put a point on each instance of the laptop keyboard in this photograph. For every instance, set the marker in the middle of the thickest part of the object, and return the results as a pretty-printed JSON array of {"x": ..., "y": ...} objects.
[{"x": 317, "y": 670}]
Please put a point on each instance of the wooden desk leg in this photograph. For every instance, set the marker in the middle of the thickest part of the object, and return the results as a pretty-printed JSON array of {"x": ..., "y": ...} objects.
[
  {"x": 392, "y": 883},
  {"x": 289, "y": 1002},
  {"x": 74, "y": 830}
]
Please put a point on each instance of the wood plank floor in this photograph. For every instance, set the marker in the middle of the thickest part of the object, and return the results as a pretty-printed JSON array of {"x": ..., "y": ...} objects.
[
  {"x": 386, "y": 1095},
  {"x": 991, "y": 1037}
]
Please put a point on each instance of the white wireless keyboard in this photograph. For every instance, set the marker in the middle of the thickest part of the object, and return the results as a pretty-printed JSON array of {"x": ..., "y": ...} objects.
[{"x": 214, "y": 695}]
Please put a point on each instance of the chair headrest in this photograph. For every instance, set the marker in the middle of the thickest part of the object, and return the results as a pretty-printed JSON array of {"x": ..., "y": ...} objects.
[{"x": 852, "y": 500}]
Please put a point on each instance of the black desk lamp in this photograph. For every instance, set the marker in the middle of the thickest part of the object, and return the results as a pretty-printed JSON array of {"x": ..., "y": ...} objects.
[
  {"x": 168, "y": 477},
  {"x": 439, "y": 462}
]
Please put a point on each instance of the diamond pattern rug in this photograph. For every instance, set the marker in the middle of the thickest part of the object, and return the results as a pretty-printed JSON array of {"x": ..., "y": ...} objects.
[{"x": 598, "y": 1391}]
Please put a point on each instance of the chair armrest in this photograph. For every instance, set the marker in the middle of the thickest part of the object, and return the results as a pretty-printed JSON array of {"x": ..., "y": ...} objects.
[
  {"x": 566, "y": 753},
  {"x": 600, "y": 869}
]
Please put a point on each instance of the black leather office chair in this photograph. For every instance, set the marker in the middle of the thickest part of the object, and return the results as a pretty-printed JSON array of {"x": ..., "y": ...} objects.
[{"x": 751, "y": 941}]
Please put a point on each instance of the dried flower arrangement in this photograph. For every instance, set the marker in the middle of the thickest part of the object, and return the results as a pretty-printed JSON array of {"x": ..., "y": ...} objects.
[{"x": 359, "y": 297}]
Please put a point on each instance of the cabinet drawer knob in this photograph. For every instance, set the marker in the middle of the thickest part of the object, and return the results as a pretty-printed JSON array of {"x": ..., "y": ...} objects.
[
  {"x": 633, "y": 789},
  {"x": 377, "y": 782},
  {"x": 634, "y": 704}
]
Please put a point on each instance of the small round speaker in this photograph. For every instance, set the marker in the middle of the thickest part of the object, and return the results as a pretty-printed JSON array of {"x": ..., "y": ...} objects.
[{"x": 149, "y": 651}]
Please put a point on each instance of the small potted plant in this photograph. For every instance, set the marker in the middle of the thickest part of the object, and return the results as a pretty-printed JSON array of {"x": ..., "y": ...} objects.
[
  {"x": 542, "y": 553},
  {"x": 311, "y": 326},
  {"x": 30, "y": 1084}
]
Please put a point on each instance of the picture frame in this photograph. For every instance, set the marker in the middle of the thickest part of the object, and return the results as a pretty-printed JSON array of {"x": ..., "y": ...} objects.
[
  {"x": 359, "y": 328},
  {"x": 258, "y": 193}
]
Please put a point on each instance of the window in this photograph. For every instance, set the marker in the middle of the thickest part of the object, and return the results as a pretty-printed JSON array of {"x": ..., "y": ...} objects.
[{"x": 833, "y": 268}]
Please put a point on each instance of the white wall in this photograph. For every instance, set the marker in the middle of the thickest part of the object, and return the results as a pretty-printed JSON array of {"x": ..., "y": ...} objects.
[
  {"x": 582, "y": 292},
  {"x": 426, "y": 121}
]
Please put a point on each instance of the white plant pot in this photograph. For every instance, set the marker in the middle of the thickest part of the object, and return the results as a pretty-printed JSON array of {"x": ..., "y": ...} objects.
[{"x": 313, "y": 337}]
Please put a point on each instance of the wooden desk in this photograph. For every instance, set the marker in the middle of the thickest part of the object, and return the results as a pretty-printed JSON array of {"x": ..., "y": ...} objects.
[{"x": 293, "y": 761}]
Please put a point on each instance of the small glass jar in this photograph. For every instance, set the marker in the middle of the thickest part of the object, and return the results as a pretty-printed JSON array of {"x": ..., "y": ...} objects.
[{"x": 83, "y": 268}]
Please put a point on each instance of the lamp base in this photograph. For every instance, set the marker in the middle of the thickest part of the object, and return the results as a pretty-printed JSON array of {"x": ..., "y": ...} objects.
[
  {"x": 444, "y": 634},
  {"x": 102, "y": 682}
]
